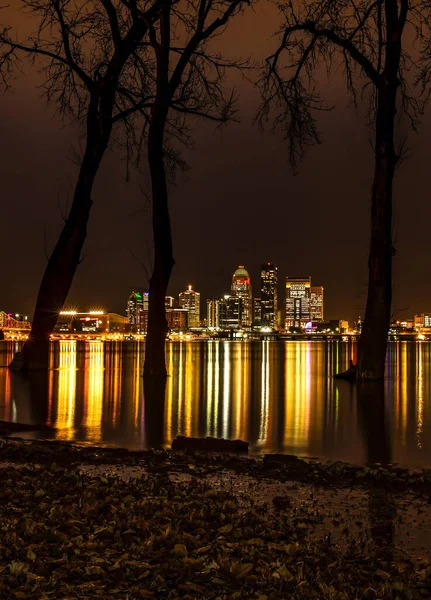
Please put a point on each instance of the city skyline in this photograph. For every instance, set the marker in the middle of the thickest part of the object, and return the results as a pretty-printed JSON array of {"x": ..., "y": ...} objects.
[
  {"x": 240, "y": 308},
  {"x": 412, "y": 319},
  {"x": 256, "y": 178}
]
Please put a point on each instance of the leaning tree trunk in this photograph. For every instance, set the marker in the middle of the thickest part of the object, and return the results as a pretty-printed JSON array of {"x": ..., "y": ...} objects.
[
  {"x": 373, "y": 340},
  {"x": 154, "y": 364},
  {"x": 60, "y": 271}
]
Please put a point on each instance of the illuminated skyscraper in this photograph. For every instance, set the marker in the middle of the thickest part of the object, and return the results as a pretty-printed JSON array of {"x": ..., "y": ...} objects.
[
  {"x": 135, "y": 306},
  {"x": 230, "y": 310},
  {"x": 216, "y": 312},
  {"x": 169, "y": 302},
  {"x": 145, "y": 300},
  {"x": 298, "y": 292},
  {"x": 257, "y": 312},
  {"x": 191, "y": 301},
  {"x": 269, "y": 295},
  {"x": 316, "y": 303},
  {"x": 241, "y": 288}
]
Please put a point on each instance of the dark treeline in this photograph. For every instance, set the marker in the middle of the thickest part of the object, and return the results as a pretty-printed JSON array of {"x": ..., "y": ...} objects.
[{"x": 137, "y": 72}]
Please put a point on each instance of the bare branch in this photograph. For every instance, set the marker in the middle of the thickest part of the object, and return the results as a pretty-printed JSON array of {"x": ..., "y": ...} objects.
[{"x": 332, "y": 34}]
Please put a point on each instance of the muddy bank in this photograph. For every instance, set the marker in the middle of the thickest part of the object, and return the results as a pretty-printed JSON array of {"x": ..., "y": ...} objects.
[{"x": 281, "y": 467}]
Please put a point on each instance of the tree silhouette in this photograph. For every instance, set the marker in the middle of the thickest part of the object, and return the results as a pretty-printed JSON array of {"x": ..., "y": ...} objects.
[
  {"x": 367, "y": 40},
  {"x": 188, "y": 80},
  {"x": 89, "y": 55}
]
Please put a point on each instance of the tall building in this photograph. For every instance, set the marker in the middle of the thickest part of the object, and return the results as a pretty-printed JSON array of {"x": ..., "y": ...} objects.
[
  {"x": 316, "y": 303},
  {"x": 269, "y": 295},
  {"x": 135, "y": 306},
  {"x": 191, "y": 301},
  {"x": 177, "y": 319},
  {"x": 216, "y": 313},
  {"x": 298, "y": 292},
  {"x": 231, "y": 312},
  {"x": 241, "y": 288},
  {"x": 145, "y": 300},
  {"x": 169, "y": 302},
  {"x": 257, "y": 312}
]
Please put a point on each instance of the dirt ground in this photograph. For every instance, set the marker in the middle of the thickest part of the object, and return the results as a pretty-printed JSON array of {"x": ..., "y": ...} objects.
[{"x": 85, "y": 522}]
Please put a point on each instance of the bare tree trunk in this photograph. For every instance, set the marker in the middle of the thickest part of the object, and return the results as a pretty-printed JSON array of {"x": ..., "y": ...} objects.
[
  {"x": 154, "y": 364},
  {"x": 154, "y": 411},
  {"x": 373, "y": 341},
  {"x": 60, "y": 271},
  {"x": 374, "y": 336}
]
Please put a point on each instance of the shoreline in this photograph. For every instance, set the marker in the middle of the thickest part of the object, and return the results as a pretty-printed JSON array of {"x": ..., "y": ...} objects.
[{"x": 272, "y": 465}]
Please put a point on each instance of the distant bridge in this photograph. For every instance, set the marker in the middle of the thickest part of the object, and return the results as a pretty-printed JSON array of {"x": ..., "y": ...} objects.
[{"x": 8, "y": 323}]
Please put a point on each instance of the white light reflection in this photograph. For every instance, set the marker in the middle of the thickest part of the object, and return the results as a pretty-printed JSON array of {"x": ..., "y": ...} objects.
[
  {"x": 213, "y": 366},
  {"x": 226, "y": 386},
  {"x": 420, "y": 395},
  {"x": 264, "y": 400}
]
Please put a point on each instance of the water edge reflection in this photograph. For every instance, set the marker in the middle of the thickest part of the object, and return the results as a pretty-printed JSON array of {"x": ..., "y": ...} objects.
[{"x": 279, "y": 396}]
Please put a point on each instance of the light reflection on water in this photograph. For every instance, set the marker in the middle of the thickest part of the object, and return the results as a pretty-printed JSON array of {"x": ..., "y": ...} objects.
[{"x": 279, "y": 396}]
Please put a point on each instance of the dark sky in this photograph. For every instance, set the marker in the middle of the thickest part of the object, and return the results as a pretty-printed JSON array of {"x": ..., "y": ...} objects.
[{"x": 238, "y": 204}]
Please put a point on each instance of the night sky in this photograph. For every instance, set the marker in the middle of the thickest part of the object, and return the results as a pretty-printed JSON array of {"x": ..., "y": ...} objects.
[{"x": 238, "y": 204}]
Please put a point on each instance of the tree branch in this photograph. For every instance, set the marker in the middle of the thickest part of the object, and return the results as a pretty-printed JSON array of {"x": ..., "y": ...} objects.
[
  {"x": 347, "y": 45},
  {"x": 57, "y": 57},
  {"x": 113, "y": 22},
  {"x": 67, "y": 50}
]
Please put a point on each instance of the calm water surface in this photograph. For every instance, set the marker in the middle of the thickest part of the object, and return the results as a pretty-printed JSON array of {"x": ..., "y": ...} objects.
[{"x": 279, "y": 396}]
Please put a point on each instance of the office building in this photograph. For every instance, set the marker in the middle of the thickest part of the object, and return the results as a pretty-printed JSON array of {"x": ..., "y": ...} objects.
[
  {"x": 257, "y": 312},
  {"x": 145, "y": 300},
  {"x": 230, "y": 312},
  {"x": 241, "y": 288},
  {"x": 339, "y": 325},
  {"x": 191, "y": 301},
  {"x": 269, "y": 295},
  {"x": 316, "y": 303},
  {"x": 216, "y": 313},
  {"x": 93, "y": 321},
  {"x": 135, "y": 306},
  {"x": 178, "y": 319},
  {"x": 422, "y": 321},
  {"x": 169, "y": 302},
  {"x": 297, "y": 305}
]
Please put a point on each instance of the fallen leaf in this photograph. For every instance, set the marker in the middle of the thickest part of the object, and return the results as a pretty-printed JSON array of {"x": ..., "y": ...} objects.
[
  {"x": 284, "y": 573},
  {"x": 274, "y": 546},
  {"x": 210, "y": 566},
  {"x": 383, "y": 575},
  {"x": 179, "y": 551},
  {"x": 18, "y": 568},
  {"x": 203, "y": 549},
  {"x": 255, "y": 542},
  {"x": 129, "y": 499},
  {"x": 31, "y": 555},
  {"x": 226, "y": 529},
  {"x": 240, "y": 570}
]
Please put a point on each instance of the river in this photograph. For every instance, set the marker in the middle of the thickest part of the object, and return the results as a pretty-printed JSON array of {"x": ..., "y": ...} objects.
[{"x": 278, "y": 396}]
